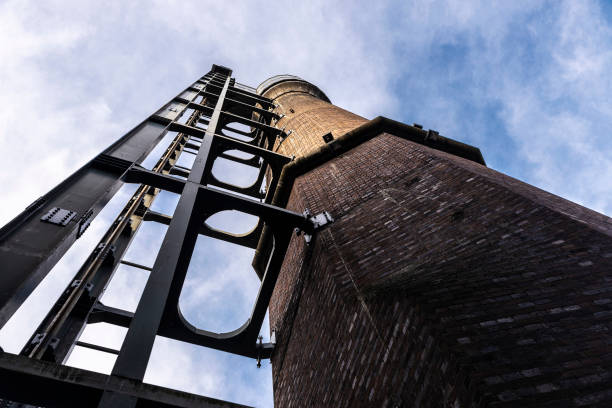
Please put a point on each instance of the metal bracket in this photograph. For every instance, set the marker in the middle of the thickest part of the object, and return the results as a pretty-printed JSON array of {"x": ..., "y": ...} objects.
[
  {"x": 318, "y": 221},
  {"x": 53, "y": 343},
  {"x": 77, "y": 282},
  {"x": 84, "y": 222},
  {"x": 107, "y": 253},
  {"x": 38, "y": 338},
  {"x": 322, "y": 219},
  {"x": 58, "y": 216},
  {"x": 259, "y": 347},
  {"x": 141, "y": 209}
]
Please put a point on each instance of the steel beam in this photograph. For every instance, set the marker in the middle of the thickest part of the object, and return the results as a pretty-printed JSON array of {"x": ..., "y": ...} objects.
[
  {"x": 52, "y": 385},
  {"x": 55, "y": 336},
  {"x": 158, "y": 312},
  {"x": 174, "y": 255},
  {"x": 29, "y": 248}
]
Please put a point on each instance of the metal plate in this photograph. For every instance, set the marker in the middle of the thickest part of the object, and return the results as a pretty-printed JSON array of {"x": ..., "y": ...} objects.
[{"x": 58, "y": 216}]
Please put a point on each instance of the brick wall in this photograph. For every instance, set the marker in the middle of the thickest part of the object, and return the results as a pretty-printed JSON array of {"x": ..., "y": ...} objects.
[{"x": 441, "y": 283}]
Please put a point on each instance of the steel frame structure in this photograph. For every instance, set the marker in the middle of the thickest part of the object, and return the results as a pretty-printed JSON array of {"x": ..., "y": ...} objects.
[{"x": 29, "y": 248}]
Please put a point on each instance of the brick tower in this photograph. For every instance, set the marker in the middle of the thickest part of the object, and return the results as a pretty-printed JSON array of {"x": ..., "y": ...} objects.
[{"x": 440, "y": 282}]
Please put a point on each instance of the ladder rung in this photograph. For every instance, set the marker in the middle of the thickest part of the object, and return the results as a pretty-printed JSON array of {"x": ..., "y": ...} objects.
[
  {"x": 180, "y": 171},
  {"x": 135, "y": 265},
  {"x": 192, "y": 146},
  {"x": 96, "y": 347}
]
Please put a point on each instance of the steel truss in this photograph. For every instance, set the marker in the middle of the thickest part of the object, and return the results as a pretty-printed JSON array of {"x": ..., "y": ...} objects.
[{"x": 216, "y": 101}]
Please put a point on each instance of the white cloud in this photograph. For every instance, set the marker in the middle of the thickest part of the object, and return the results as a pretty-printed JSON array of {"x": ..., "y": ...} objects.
[
  {"x": 42, "y": 123},
  {"x": 561, "y": 118},
  {"x": 74, "y": 76},
  {"x": 539, "y": 69}
]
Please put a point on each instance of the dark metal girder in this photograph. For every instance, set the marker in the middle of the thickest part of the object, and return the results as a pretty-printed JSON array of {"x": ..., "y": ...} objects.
[
  {"x": 52, "y": 385},
  {"x": 206, "y": 110},
  {"x": 241, "y": 341},
  {"x": 230, "y": 117},
  {"x": 226, "y": 143},
  {"x": 249, "y": 93},
  {"x": 179, "y": 171},
  {"x": 138, "y": 174},
  {"x": 254, "y": 190},
  {"x": 252, "y": 162},
  {"x": 232, "y": 129},
  {"x": 160, "y": 119},
  {"x": 96, "y": 347},
  {"x": 192, "y": 146},
  {"x": 66, "y": 319},
  {"x": 249, "y": 240},
  {"x": 251, "y": 99},
  {"x": 217, "y": 82},
  {"x": 173, "y": 258},
  {"x": 134, "y": 264},
  {"x": 214, "y": 85},
  {"x": 160, "y": 315},
  {"x": 230, "y": 143},
  {"x": 112, "y": 315},
  {"x": 239, "y": 94},
  {"x": 30, "y": 248},
  {"x": 181, "y": 100},
  {"x": 158, "y": 312},
  {"x": 248, "y": 109},
  {"x": 238, "y": 117},
  {"x": 209, "y": 94},
  {"x": 251, "y": 107},
  {"x": 220, "y": 200}
]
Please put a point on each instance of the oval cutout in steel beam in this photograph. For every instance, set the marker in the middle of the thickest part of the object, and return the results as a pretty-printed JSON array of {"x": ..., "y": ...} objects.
[
  {"x": 232, "y": 222},
  {"x": 236, "y": 174}
]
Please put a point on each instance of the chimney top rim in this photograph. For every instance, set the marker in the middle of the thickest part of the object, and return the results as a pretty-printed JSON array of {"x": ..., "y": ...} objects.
[{"x": 277, "y": 79}]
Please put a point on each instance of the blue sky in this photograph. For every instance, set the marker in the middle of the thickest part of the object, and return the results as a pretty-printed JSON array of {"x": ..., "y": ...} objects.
[{"x": 528, "y": 82}]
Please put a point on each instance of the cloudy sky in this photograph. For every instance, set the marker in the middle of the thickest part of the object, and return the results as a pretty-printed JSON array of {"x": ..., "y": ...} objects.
[{"x": 526, "y": 81}]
